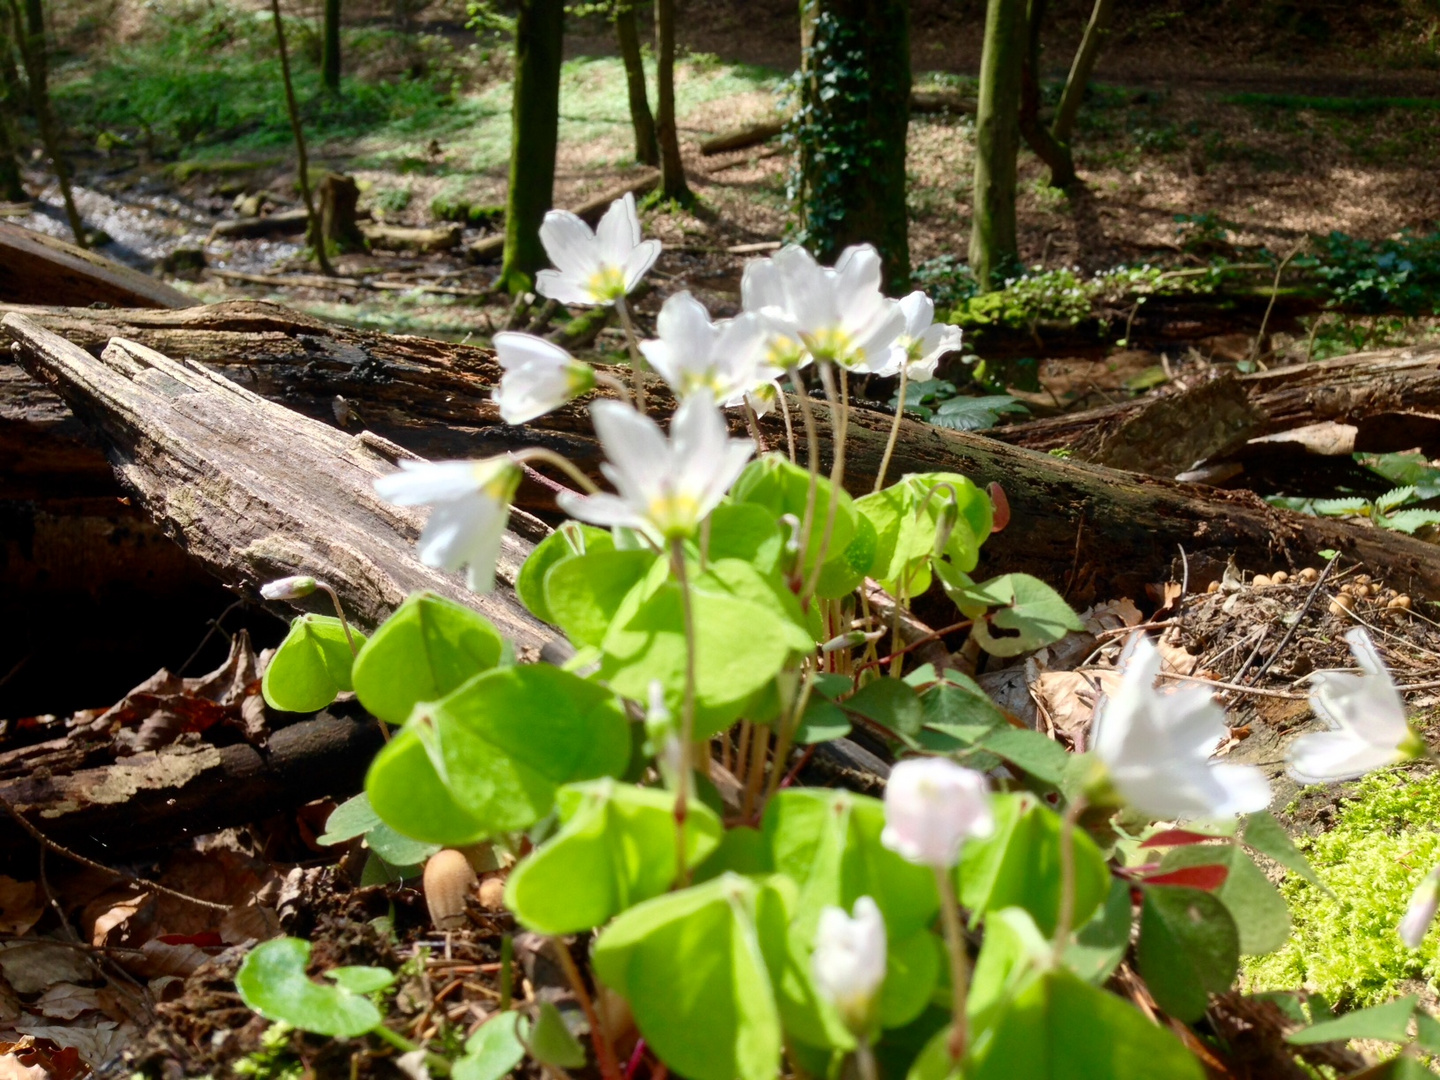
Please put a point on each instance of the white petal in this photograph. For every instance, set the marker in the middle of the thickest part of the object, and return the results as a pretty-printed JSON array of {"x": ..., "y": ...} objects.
[
  {"x": 569, "y": 243},
  {"x": 1328, "y": 756},
  {"x": 637, "y": 453},
  {"x": 421, "y": 482},
  {"x": 602, "y": 509},
  {"x": 514, "y": 349},
  {"x": 638, "y": 263},
  {"x": 618, "y": 232},
  {"x": 565, "y": 289},
  {"x": 760, "y": 286},
  {"x": 919, "y": 312},
  {"x": 1246, "y": 789}
]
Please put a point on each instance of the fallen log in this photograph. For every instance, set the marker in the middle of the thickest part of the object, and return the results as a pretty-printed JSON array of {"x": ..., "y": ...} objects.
[
  {"x": 421, "y": 241},
  {"x": 39, "y": 269},
  {"x": 1093, "y": 531}
]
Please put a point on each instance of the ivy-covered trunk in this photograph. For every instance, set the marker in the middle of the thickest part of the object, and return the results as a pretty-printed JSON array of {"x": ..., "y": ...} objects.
[
  {"x": 330, "y": 47},
  {"x": 534, "y": 125},
  {"x": 850, "y": 129},
  {"x": 627, "y": 33},
  {"x": 997, "y": 141},
  {"x": 672, "y": 169}
]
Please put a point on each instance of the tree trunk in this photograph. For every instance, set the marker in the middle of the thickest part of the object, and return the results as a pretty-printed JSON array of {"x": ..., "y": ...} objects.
[
  {"x": 1063, "y": 127},
  {"x": 672, "y": 169},
  {"x": 1069, "y": 520},
  {"x": 534, "y": 128},
  {"x": 34, "y": 54},
  {"x": 852, "y": 135},
  {"x": 339, "y": 199},
  {"x": 1038, "y": 137},
  {"x": 627, "y": 33},
  {"x": 330, "y": 47},
  {"x": 993, "y": 247},
  {"x": 314, "y": 231},
  {"x": 11, "y": 188}
]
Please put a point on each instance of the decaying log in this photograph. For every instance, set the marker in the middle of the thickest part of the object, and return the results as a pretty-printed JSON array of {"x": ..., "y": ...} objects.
[
  {"x": 39, "y": 269},
  {"x": 280, "y": 223},
  {"x": 1095, "y": 532},
  {"x": 187, "y": 789},
  {"x": 1372, "y": 391},
  {"x": 423, "y": 240},
  {"x": 254, "y": 490}
]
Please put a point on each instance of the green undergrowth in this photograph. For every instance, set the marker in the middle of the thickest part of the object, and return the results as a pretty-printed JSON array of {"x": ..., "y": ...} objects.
[{"x": 1383, "y": 841}]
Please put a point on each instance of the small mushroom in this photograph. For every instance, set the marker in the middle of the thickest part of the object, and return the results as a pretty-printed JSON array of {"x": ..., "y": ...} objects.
[
  {"x": 1400, "y": 603},
  {"x": 1360, "y": 590},
  {"x": 1309, "y": 574},
  {"x": 449, "y": 882},
  {"x": 1343, "y": 604},
  {"x": 1279, "y": 577},
  {"x": 1260, "y": 581},
  {"x": 1213, "y": 587},
  {"x": 492, "y": 893},
  {"x": 1363, "y": 579}
]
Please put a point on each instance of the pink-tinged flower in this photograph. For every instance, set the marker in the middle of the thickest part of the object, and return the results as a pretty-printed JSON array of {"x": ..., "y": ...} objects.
[
  {"x": 1156, "y": 747},
  {"x": 1366, "y": 718},
  {"x": 932, "y": 806},
  {"x": 849, "y": 961},
  {"x": 918, "y": 350},
  {"x": 597, "y": 267},
  {"x": 288, "y": 588},
  {"x": 1421, "y": 912}
]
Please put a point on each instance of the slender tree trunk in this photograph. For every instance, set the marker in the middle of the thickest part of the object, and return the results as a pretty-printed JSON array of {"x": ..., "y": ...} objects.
[
  {"x": 314, "y": 231},
  {"x": 534, "y": 127},
  {"x": 997, "y": 141},
  {"x": 30, "y": 35},
  {"x": 672, "y": 169},
  {"x": 1081, "y": 69},
  {"x": 330, "y": 47},
  {"x": 851, "y": 137},
  {"x": 627, "y": 32},
  {"x": 1048, "y": 149},
  {"x": 11, "y": 188}
]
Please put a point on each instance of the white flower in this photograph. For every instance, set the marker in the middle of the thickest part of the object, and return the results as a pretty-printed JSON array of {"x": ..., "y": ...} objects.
[
  {"x": 472, "y": 504},
  {"x": 538, "y": 377},
  {"x": 932, "y": 806},
  {"x": 1156, "y": 747},
  {"x": 288, "y": 588},
  {"x": 692, "y": 353},
  {"x": 596, "y": 267},
  {"x": 1421, "y": 912},
  {"x": 666, "y": 486},
  {"x": 849, "y": 960},
  {"x": 918, "y": 350},
  {"x": 1366, "y": 718},
  {"x": 836, "y": 314}
]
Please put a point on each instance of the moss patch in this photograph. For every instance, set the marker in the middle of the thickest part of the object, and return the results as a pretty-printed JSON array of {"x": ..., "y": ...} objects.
[{"x": 1385, "y": 838}]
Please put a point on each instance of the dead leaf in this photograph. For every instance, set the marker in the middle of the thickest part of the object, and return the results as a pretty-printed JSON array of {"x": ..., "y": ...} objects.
[
  {"x": 21, "y": 905},
  {"x": 1069, "y": 697},
  {"x": 96, "y": 1043},
  {"x": 11, "y": 1068},
  {"x": 33, "y": 966},
  {"x": 1176, "y": 659},
  {"x": 66, "y": 1001},
  {"x": 110, "y": 913},
  {"x": 158, "y": 958}
]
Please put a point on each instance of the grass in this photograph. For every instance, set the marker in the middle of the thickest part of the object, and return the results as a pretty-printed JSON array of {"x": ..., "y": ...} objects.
[{"x": 1347, "y": 106}]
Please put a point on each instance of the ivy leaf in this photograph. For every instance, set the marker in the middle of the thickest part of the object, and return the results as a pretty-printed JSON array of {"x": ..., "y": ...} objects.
[
  {"x": 311, "y": 666},
  {"x": 426, "y": 649},
  {"x": 1389, "y": 1022},
  {"x": 272, "y": 981},
  {"x": 1189, "y": 948}
]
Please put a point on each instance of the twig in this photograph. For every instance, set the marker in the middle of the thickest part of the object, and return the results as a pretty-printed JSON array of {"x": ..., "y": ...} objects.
[
  {"x": 59, "y": 849},
  {"x": 1235, "y": 687},
  {"x": 1274, "y": 292}
]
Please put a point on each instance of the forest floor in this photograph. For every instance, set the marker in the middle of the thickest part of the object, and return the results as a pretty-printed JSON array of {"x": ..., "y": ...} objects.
[{"x": 1246, "y": 154}]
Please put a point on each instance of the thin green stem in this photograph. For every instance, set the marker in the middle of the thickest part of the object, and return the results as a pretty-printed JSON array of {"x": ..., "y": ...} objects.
[
  {"x": 789, "y": 427},
  {"x": 1065, "y": 919},
  {"x": 865, "y": 1060},
  {"x": 839, "y": 424},
  {"x": 437, "y": 1065},
  {"x": 687, "y": 715},
  {"x": 785, "y": 736},
  {"x": 959, "y": 961},
  {"x": 599, "y": 1037},
  {"x": 340, "y": 613},
  {"x": 894, "y": 431},
  {"x": 637, "y": 361},
  {"x": 812, "y": 440},
  {"x": 560, "y": 461}
]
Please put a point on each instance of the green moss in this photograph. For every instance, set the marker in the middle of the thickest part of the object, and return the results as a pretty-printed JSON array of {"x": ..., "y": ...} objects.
[{"x": 1384, "y": 840}]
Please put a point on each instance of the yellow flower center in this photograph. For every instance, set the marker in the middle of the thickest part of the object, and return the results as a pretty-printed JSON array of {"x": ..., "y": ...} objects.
[
  {"x": 607, "y": 284},
  {"x": 674, "y": 514},
  {"x": 834, "y": 344}
]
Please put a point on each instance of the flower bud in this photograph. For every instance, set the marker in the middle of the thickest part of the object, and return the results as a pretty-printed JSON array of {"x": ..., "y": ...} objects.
[
  {"x": 849, "y": 961},
  {"x": 851, "y": 640},
  {"x": 932, "y": 806},
  {"x": 1421, "y": 912},
  {"x": 948, "y": 518},
  {"x": 288, "y": 588}
]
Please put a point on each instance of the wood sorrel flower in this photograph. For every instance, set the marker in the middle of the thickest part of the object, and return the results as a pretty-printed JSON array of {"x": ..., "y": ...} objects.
[
  {"x": 837, "y": 314},
  {"x": 917, "y": 351},
  {"x": 1156, "y": 747},
  {"x": 289, "y": 588},
  {"x": 932, "y": 806},
  {"x": 1421, "y": 913},
  {"x": 666, "y": 486},
  {"x": 692, "y": 353},
  {"x": 538, "y": 377},
  {"x": 1366, "y": 717},
  {"x": 471, "y": 501},
  {"x": 597, "y": 267},
  {"x": 849, "y": 961}
]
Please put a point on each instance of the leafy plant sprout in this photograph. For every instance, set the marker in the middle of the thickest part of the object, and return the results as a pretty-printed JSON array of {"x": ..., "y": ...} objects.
[{"x": 715, "y": 592}]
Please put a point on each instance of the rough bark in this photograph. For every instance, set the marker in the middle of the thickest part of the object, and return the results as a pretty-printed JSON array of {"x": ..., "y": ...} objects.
[
  {"x": 851, "y": 133},
  {"x": 672, "y": 168},
  {"x": 534, "y": 129},
  {"x": 1069, "y": 520},
  {"x": 339, "y": 197},
  {"x": 997, "y": 140},
  {"x": 254, "y": 490},
  {"x": 627, "y": 34},
  {"x": 330, "y": 47},
  {"x": 39, "y": 269}
]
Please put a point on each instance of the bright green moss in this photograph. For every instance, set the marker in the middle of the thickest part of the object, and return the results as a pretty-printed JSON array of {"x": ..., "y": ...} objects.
[{"x": 1385, "y": 838}]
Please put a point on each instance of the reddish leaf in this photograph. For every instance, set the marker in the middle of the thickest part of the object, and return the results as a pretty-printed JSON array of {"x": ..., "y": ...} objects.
[
  {"x": 1002, "y": 508},
  {"x": 1176, "y": 838},
  {"x": 1209, "y": 877}
]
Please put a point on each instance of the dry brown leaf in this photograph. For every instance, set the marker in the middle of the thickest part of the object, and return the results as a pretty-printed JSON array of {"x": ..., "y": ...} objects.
[
  {"x": 32, "y": 966},
  {"x": 21, "y": 905},
  {"x": 11, "y": 1068},
  {"x": 253, "y": 922},
  {"x": 111, "y": 912},
  {"x": 96, "y": 1042},
  {"x": 66, "y": 1001},
  {"x": 159, "y": 958},
  {"x": 1176, "y": 659},
  {"x": 1069, "y": 697}
]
